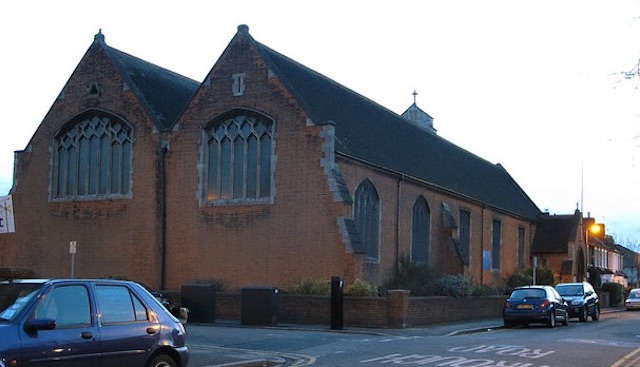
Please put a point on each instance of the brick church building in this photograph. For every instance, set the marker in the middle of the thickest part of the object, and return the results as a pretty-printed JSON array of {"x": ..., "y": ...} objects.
[{"x": 265, "y": 173}]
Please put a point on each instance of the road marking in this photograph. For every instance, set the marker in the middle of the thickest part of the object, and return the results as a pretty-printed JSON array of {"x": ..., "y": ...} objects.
[
  {"x": 293, "y": 359},
  {"x": 601, "y": 342},
  {"x": 630, "y": 360}
]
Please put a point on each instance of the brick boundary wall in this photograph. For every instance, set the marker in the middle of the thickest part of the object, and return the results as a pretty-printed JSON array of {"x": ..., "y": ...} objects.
[{"x": 398, "y": 310}]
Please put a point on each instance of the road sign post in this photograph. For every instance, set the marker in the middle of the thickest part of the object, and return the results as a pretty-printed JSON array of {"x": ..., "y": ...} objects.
[{"x": 72, "y": 251}]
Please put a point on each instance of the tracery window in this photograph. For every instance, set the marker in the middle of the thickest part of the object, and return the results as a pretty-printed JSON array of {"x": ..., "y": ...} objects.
[
  {"x": 92, "y": 157},
  {"x": 237, "y": 158},
  {"x": 367, "y": 218},
  {"x": 421, "y": 230}
]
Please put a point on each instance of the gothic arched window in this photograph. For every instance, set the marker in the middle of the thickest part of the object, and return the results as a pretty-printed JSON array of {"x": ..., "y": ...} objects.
[
  {"x": 237, "y": 158},
  {"x": 420, "y": 232},
  {"x": 92, "y": 157},
  {"x": 367, "y": 218}
]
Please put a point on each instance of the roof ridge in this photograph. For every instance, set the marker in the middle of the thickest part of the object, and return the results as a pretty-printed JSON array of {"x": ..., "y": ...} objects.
[{"x": 138, "y": 72}]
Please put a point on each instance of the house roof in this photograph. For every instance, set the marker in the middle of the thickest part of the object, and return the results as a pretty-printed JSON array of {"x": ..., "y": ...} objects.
[
  {"x": 163, "y": 93},
  {"x": 370, "y": 133},
  {"x": 554, "y": 232}
]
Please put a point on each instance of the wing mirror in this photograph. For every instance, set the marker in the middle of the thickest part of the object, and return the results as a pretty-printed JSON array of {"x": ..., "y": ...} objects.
[{"x": 41, "y": 324}]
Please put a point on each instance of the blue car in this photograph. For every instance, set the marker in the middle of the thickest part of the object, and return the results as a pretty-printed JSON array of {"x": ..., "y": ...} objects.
[
  {"x": 69, "y": 322},
  {"x": 535, "y": 304}
]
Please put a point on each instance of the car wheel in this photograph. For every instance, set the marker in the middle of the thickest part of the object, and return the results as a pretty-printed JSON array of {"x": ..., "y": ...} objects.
[
  {"x": 596, "y": 313},
  {"x": 162, "y": 360},
  {"x": 552, "y": 320},
  {"x": 565, "y": 322},
  {"x": 508, "y": 324},
  {"x": 583, "y": 314}
]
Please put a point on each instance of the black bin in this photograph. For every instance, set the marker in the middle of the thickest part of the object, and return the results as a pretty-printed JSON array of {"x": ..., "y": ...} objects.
[
  {"x": 200, "y": 299},
  {"x": 259, "y": 306}
]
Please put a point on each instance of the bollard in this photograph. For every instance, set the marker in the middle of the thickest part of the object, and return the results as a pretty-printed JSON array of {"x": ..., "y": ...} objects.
[{"x": 337, "y": 303}]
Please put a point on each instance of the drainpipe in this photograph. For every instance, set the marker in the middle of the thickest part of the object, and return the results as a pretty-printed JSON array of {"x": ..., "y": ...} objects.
[
  {"x": 482, "y": 245},
  {"x": 164, "y": 149}
]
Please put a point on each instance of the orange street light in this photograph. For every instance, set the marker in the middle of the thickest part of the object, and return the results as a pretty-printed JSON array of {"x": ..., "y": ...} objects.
[{"x": 594, "y": 229}]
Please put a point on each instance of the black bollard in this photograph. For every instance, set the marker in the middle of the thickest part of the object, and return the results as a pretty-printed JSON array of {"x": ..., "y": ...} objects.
[{"x": 337, "y": 304}]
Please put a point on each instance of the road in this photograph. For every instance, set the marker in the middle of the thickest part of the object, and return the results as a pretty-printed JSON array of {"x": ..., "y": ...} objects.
[{"x": 614, "y": 341}]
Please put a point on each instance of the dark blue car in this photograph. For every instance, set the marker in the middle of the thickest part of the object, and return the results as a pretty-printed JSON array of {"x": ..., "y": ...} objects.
[
  {"x": 535, "y": 304},
  {"x": 68, "y": 322}
]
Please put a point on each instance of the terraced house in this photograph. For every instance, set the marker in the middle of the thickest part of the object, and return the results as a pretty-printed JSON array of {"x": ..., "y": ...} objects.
[{"x": 264, "y": 173}]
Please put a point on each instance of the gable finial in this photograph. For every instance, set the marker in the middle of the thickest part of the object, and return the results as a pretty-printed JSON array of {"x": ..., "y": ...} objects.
[
  {"x": 243, "y": 28},
  {"x": 414, "y": 96},
  {"x": 99, "y": 37}
]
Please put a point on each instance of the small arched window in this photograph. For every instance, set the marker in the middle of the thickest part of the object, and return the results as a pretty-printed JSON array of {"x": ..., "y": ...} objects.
[
  {"x": 366, "y": 215},
  {"x": 92, "y": 157},
  {"x": 420, "y": 232},
  {"x": 237, "y": 158}
]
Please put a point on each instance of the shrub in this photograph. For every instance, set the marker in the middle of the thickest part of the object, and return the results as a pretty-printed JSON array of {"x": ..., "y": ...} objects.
[
  {"x": 417, "y": 278},
  {"x": 320, "y": 287},
  {"x": 361, "y": 288},
  {"x": 454, "y": 285},
  {"x": 616, "y": 293},
  {"x": 519, "y": 278},
  {"x": 595, "y": 278},
  {"x": 487, "y": 290},
  {"x": 522, "y": 277}
]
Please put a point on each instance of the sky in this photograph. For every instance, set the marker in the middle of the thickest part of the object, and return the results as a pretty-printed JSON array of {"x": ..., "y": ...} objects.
[{"x": 537, "y": 86}]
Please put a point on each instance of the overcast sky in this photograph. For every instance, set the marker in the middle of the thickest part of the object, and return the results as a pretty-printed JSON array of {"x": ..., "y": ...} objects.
[{"x": 533, "y": 85}]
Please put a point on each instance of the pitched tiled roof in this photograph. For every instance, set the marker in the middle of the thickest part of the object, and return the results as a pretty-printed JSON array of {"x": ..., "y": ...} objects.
[
  {"x": 370, "y": 133},
  {"x": 163, "y": 93},
  {"x": 554, "y": 232}
]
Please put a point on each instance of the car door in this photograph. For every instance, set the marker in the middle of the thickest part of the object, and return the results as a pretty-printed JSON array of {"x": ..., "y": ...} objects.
[
  {"x": 61, "y": 331},
  {"x": 128, "y": 329},
  {"x": 559, "y": 303}
]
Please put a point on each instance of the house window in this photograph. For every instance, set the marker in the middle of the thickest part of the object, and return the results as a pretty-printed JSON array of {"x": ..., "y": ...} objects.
[
  {"x": 92, "y": 157},
  {"x": 496, "y": 244},
  {"x": 521, "y": 252},
  {"x": 367, "y": 218},
  {"x": 421, "y": 228},
  {"x": 237, "y": 156},
  {"x": 465, "y": 234}
]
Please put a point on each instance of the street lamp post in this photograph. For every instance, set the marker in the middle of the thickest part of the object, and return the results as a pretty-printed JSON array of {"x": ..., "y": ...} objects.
[{"x": 595, "y": 229}]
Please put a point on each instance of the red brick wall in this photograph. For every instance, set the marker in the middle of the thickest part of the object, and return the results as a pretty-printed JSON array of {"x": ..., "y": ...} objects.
[
  {"x": 294, "y": 237},
  {"x": 114, "y": 237},
  {"x": 442, "y": 254},
  {"x": 378, "y": 312}
]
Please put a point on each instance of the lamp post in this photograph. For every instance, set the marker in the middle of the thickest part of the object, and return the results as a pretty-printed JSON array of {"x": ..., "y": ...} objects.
[{"x": 595, "y": 229}]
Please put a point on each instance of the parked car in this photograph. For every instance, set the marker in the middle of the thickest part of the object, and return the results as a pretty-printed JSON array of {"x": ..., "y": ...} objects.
[
  {"x": 535, "y": 304},
  {"x": 582, "y": 299},
  {"x": 70, "y": 322},
  {"x": 181, "y": 313},
  {"x": 633, "y": 300}
]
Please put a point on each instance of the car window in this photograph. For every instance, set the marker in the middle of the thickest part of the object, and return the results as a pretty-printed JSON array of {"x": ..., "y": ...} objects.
[
  {"x": 635, "y": 293},
  {"x": 68, "y": 305},
  {"x": 11, "y": 304},
  {"x": 528, "y": 293},
  {"x": 570, "y": 290},
  {"x": 589, "y": 288},
  {"x": 118, "y": 305}
]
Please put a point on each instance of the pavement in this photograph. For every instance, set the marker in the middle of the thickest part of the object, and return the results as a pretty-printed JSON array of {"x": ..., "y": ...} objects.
[{"x": 226, "y": 357}]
